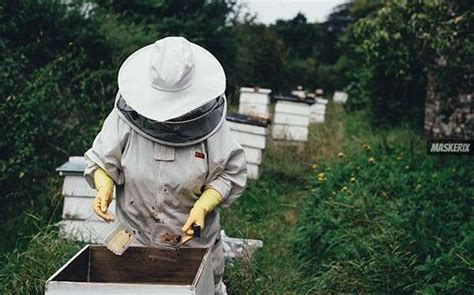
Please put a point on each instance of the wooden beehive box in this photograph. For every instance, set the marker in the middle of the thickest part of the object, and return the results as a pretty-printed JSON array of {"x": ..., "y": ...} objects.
[
  {"x": 255, "y": 102},
  {"x": 291, "y": 119},
  {"x": 95, "y": 270},
  {"x": 318, "y": 111},
  {"x": 300, "y": 93},
  {"x": 340, "y": 97},
  {"x": 251, "y": 133},
  {"x": 78, "y": 199}
]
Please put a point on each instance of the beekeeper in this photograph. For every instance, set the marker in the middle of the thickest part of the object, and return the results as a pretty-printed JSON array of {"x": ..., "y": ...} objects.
[{"x": 166, "y": 147}]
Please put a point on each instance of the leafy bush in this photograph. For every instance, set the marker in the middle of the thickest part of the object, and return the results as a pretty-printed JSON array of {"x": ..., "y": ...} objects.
[
  {"x": 390, "y": 220},
  {"x": 56, "y": 92}
]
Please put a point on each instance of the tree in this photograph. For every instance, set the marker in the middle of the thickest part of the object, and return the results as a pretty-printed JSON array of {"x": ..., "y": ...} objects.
[{"x": 403, "y": 41}]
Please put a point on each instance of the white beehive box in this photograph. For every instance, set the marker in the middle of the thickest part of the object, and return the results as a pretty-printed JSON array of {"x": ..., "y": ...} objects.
[
  {"x": 94, "y": 270},
  {"x": 252, "y": 134},
  {"x": 318, "y": 111},
  {"x": 77, "y": 215},
  {"x": 291, "y": 120},
  {"x": 340, "y": 97},
  {"x": 254, "y": 102},
  {"x": 299, "y": 92}
]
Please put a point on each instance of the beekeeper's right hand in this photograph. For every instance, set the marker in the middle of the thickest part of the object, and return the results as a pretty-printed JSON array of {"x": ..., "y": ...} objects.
[{"x": 105, "y": 188}]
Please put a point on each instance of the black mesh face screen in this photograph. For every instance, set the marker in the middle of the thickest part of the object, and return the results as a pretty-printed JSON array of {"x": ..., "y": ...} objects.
[{"x": 190, "y": 127}]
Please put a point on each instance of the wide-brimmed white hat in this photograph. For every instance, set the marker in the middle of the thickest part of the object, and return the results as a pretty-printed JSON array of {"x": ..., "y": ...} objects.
[{"x": 170, "y": 78}]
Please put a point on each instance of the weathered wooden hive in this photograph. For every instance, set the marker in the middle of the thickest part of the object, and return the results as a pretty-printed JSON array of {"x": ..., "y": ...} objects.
[
  {"x": 140, "y": 270},
  {"x": 78, "y": 216},
  {"x": 291, "y": 119},
  {"x": 251, "y": 133},
  {"x": 255, "y": 102},
  {"x": 340, "y": 97}
]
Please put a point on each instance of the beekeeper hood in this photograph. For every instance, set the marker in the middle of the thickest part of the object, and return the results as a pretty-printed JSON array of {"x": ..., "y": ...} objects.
[{"x": 172, "y": 92}]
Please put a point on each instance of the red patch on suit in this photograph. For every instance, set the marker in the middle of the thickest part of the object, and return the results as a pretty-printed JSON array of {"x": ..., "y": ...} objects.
[{"x": 200, "y": 155}]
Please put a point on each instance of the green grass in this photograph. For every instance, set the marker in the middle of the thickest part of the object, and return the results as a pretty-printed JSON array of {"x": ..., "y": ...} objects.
[
  {"x": 390, "y": 219},
  {"x": 270, "y": 208},
  {"x": 25, "y": 270},
  {"x": 338, "y": 235}
]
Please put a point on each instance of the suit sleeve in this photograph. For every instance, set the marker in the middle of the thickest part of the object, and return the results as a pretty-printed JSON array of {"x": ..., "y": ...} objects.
[
  {"x": 227, "y": 165},
  {"x": 106, "y": 151}
]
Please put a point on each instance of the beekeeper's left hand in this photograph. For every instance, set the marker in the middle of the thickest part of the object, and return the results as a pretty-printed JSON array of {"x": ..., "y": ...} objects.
[{"x": 208, "y": 201}]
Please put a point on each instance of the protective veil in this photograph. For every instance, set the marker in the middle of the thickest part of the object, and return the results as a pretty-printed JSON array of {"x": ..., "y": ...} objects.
[{"x": 188, "y": 129}]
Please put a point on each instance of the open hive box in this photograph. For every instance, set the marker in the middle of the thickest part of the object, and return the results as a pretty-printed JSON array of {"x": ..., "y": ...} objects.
[{"x": 143, "y": 270}]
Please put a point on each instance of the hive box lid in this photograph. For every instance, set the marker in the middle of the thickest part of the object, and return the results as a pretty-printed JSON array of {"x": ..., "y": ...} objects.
[
  {"x": 75, "y": 165},
  {"x": 143, "y": 270},
  {"x": 292, "y": 98},
  {"x": 255, "y": 89},
  {"x": 250, "y": 120}
]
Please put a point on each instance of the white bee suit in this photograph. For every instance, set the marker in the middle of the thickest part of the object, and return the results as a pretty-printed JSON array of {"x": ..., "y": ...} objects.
[{"x": 156, "y": 183}]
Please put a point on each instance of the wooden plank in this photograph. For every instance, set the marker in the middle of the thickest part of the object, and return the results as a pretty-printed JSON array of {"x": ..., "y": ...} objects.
[
  {"x": 251, "y": 140},
  {"x": 80, "y": 230},
  {"x": 79, "y": 288},
  {"x": 258, "y": 110},
  {"x": 75, "y": 165},
  {"x": 254, "y": 98},
  {"x": 317, "y": 106},
  {"x": 77, "y": 186},
  {"x": 80, "y": 208},
  {"x": 296, "y": 133},
  {"x": 321, "y": 113},
  {"x": 145, "y": 265},
  {"x": 255, "y": 89},
  {"x": 204, "y": 280},
  {"x": 290, "y": 119},
  {"x": 317, "y": 112},
  {"x": 253, "y": 171},
  {"x": 259, "y": 130},
  {"x": 288, "y": 107},
  {"x": 253, "y": 155},
  {"x": 316, "y": 118},
  {"x": 322, "y": 100}
]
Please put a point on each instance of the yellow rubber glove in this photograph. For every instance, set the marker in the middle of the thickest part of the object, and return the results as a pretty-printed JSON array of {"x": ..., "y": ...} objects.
[
  {"x": 105, "y": 188},
  {"x": 208, "y": 201}
]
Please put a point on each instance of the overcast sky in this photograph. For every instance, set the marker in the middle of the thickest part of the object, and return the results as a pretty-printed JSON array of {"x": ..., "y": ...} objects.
[{"x": 269, "y": 11}]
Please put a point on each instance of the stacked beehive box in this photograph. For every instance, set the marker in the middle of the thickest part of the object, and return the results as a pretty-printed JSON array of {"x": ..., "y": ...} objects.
[
  {"x": 318, "y": 110},
  {"x": 251, "y": 133},
  {"x": 78, "y": 217},
  {"x": 340, "y": 97},
  {"x": 255, "y": 102},
  {"x": 291, "y": 119},
  {"x": 317, "y": 113},
  {"x": 299, "y": 92}
]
